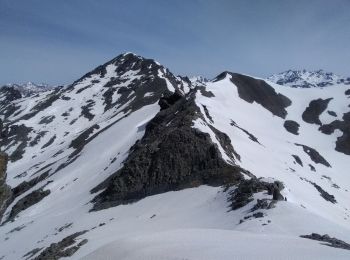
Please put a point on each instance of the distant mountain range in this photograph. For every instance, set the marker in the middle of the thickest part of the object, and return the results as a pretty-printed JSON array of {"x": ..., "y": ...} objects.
[
  {"x": 308, "y": 79},
  {"x": 30, "y": 88}
]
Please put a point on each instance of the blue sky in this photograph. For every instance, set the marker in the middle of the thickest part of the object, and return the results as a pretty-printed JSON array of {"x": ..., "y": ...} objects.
[{"x": 58, "y": 41}]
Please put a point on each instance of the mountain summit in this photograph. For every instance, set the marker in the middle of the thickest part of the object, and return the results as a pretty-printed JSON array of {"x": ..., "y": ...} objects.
[{"x": 132, "y": 162}]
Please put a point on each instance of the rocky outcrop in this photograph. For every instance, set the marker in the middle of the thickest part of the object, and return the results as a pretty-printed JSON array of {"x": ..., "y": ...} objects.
[
  {"x": 16, "y": 134},
  {"x": 343, "y": 141},
  {"x": 314, "y": 110},
  {"x": 291, "y": 126},
  {"x": 243, "y": 194},
  {"x": 315, "y": 156},
  {"x": 167, "y": 101},
  {"x": 251, "y": 136},
  {"x": 28, "y": 201},
  {"x": 256, "y": 90},
  {"x": 172, "y": 155},
  {"x": 324, "y": 194},
  {"x": 63, "y": 248},
  {"x": 5, "y": 190},
  {"x": 297, "y": 159},
  {"x": 328, "y": 241}
]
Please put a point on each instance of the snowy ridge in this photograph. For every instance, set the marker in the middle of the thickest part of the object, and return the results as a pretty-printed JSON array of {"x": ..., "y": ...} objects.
[
  {"x": 63, "y": 143},
  {"x": 308, "y": 79},
  {"x": 198, "y": 80}
]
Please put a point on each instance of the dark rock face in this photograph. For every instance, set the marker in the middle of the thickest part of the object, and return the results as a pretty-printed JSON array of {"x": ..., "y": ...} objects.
[
  {"x": 324, "y": 194},
  {"x": 5, "y": 191},
  {"x": 166, "y": 102},
  {"x": 12, "y": 194},
  {"x": 291, "y": 126},
  {"x": 79, "y": 142},
  {"x": 19, "y": 134},
  {"x": 206, "y": 111},
  {"x": 329, "y": 241},
  {"x": 314, "y": 155},
  {"x": 171, "y": 156},
  {"x": 62, "y": 248},
  {"x": 27, "y": 185},
  {"x": 206, "y": 93},
  {"x": 243, "y": 194},
  {"x": 254, "y": 90},
  {"x": 297, "y": 159},
  {"x": 49, "y": 99},
  {"x": 225, "y": 143},
  {"x": 149, "y": 82},
  {"x": 85, "y": 110},
  {"x": 312, "y": 168},
  {"x": 11, "y": 93},
  {"x": 47, "y": 119},
  {"x": 314, "y": 110},
  {"x": 251, "y": 136},
  {"x": 32, "y": 253},
  {"x": 343, "y": 142},
  {"x": 52, "y": 139},
  {"x": 27, "y": 201},
  {"x": 347, "y": 92}
]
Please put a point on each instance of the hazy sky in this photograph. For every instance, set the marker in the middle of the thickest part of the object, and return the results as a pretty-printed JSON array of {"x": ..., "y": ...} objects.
[{"x": 56, "y": 41}]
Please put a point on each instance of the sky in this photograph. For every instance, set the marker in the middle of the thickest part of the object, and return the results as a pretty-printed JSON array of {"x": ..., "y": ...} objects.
[{"x": 56, "y": 42}]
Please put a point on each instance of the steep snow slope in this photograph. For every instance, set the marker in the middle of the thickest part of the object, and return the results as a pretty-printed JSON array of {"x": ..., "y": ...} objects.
[
  {"x": 272, "y": 152},
  {"x": 64, "y": 143}
]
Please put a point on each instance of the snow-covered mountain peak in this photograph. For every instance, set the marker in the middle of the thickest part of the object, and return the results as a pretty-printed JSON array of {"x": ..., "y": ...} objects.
[
  {"x": 29, "y": 88},
  {"x": 307, "y": 79},
  {"x": 198, "y": 80}
]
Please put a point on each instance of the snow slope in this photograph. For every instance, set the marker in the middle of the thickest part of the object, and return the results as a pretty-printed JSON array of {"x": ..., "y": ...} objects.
[{"x": 65, "y": 142}]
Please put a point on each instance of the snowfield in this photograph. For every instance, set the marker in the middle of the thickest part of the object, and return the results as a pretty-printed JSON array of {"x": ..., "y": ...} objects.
[{"x": 83, "y": 133}]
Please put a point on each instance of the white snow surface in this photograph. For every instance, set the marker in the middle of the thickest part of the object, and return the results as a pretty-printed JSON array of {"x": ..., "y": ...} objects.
[{"x": 194, "y": 223}]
